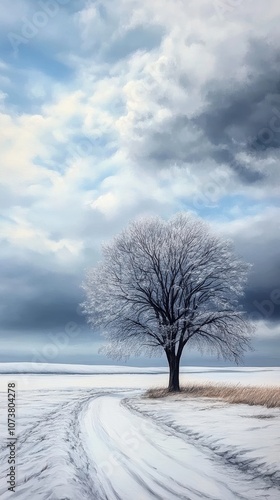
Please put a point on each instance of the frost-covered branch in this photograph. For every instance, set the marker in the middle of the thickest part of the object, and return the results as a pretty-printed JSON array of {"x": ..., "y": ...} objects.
[{"x": 163, "y": 284}]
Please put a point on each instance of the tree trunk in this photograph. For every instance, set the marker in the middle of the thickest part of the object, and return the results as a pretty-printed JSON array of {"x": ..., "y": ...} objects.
[{"x": 174, "y": 362}]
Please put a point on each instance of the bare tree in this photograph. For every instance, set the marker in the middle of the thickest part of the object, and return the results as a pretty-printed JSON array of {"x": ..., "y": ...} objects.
[{"x": 165, "y": 284}]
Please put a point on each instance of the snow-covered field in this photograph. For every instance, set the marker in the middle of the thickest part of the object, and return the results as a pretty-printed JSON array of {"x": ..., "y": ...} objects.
[{"x": 89, "y": 435}]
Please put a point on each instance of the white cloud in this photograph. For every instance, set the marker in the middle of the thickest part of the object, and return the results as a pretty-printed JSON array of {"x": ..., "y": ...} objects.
[
  {"x": 129, "y": 132},
  {"x": 252, "y": 226},
  {"x": 20, "y": 233},
  {"x": 266, "y": 330}
]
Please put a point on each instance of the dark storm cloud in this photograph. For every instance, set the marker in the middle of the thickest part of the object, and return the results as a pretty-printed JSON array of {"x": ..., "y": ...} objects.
[
  {"x": 35, "y": 298},
  {"x": 246, "y": 175},
  {"x": 258, "y": 242},
  {"x": 39, "y": 293},
  {"x": 233, "y": 121},
  {"x": 237, "y": 114},
  {"x": 263, "y": 303}
]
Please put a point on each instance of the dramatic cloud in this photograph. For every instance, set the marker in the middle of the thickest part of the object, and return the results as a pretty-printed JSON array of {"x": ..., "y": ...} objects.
[
  {"x": 257, "y": 239},
  {"x": 148, "y": 107}
]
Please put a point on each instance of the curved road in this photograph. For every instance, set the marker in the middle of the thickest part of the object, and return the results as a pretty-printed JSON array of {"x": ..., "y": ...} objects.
[
  {"x": 138, "y": 458},
  {"x": 84, "y": 444}
]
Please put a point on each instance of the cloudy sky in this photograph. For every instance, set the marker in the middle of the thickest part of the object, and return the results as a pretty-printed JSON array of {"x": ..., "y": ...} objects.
[{"x": 111, "y": 109}]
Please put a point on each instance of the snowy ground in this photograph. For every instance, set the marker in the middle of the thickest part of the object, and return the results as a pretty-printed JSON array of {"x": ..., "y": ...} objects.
[{"x": 91, "y": 436}]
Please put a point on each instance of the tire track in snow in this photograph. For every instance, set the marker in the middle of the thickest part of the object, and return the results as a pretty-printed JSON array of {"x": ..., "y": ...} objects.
[
  {"x": 232, "y": 456},
  {"x": 51, "y": 461},
  {"x": 154, "y": 463},
  {"x": 86, "y": 444}
]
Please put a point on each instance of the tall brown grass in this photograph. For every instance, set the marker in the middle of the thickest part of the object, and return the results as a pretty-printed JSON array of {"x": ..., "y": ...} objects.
[{"x": 235, "y": 394}]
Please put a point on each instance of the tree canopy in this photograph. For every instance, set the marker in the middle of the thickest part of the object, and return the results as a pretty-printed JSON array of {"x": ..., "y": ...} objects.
[{"x": 164, "y": 284}]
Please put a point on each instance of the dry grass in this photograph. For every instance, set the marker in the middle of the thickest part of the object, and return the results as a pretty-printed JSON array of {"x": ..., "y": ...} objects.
[{"x": 236, "y": 394}]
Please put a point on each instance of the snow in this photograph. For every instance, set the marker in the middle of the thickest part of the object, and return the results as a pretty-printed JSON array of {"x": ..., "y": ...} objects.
[
  {"x": 245, "y": 436},
  {"x": 56, "y": 368},
  {"x": 91, "y": 436}
]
